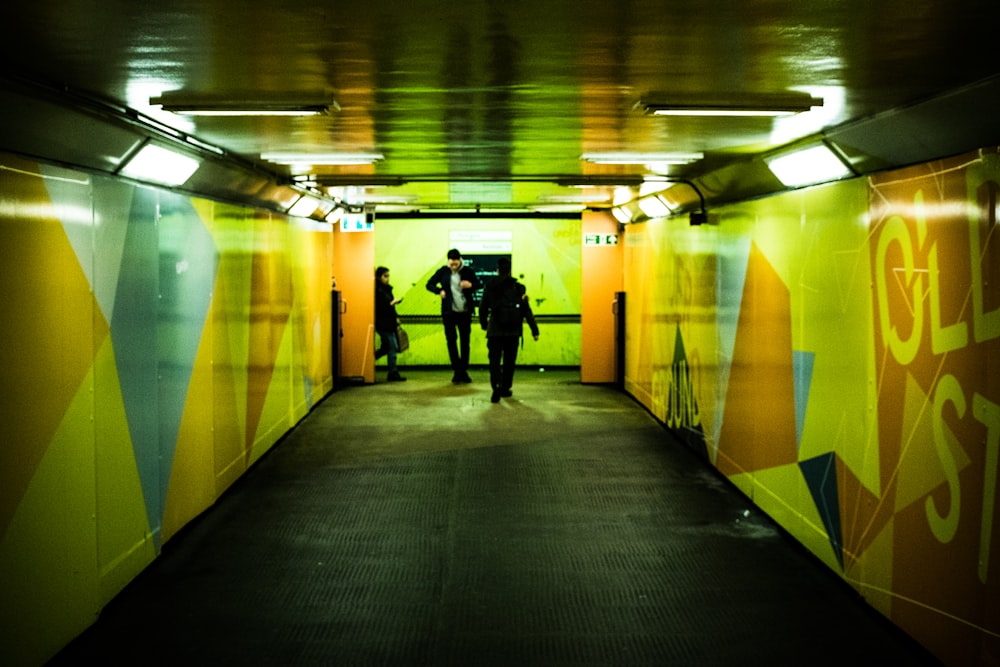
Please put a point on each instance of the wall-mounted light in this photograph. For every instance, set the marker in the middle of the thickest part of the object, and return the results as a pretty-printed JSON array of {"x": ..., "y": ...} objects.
[
  {"x": 159, "y": 165},
  {"x": 654, "y": 206},
  {"x": 621, "y": 214},
  {"x": 314, "y": 159},
  {"x": 304, "y": 207},
  {"x": 325, "y": 207},
  {"x": 808, "y": 166},
  {"x": 622, "y": 194},
  {"x": 760, "y": 105},
  {"x": 653, "y": 185}
]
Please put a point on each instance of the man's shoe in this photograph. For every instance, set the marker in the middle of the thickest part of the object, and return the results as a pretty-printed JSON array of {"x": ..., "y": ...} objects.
[
  {"x": 495, "y": 397},
  {"x": 506, "y": 393},
  {"x": 396, "y": 377},
  {"x": 464, "y": 377}
]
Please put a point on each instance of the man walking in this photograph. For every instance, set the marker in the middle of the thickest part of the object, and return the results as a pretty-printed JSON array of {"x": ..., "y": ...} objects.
[
  {"x": 502, "y": 312},
  {"x": 456, "y": 284}
]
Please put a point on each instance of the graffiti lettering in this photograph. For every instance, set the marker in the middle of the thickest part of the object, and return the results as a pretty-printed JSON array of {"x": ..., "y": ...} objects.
[
  {"x": 985, "y": 411},
  {"x": 903, "y": 350},
  {"x": 682, "y": 409},
  {"x": 944, "y": 337},
  {"x": 660, "y": 388},
  {"x": 986, "y": 325},
  {"x": 944, "y": 527},
  {"x": 988, "y": 413},
  {"x": 954, "y": 336}
]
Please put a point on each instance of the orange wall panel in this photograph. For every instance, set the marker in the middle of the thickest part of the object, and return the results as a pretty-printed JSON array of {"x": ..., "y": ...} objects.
[
  {"x": 601, "y": 269},
  {"x": 354, "y": 268}
]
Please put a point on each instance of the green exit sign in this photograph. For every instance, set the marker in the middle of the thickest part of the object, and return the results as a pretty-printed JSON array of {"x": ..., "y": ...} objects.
[{"x": 600, "y": 239}]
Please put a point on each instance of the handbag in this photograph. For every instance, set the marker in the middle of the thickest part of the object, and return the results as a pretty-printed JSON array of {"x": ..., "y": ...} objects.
[{"x": 402, "y": 338}]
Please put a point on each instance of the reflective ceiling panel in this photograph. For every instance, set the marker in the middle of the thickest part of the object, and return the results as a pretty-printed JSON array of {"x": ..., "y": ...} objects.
[{"x": 509, "y": 93}]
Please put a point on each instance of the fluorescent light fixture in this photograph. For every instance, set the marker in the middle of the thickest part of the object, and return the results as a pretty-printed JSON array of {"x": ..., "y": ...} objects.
[
  {"x": 621, "y": 215},
  {"x": 204, "y": 146},
  {"x": 301, "y": 111},
  {"x": 622, "y": 195},
  {"x": 325, "y": 206},
  {"x": 322, "y": 158},
  {"x": 391, "y": 200},
  {"x": 160, "y": 165},
  {"x": 213, "y": 106},
  {"x": 654, "y": 207},
  {"x": 766, "y": 105},
  {"x": 809, "y": 166},
  {"x": 307, "y": 206},
  {"x": 649, "y": 187},
  {"x": 576, "y": 199},
  {"x": 304, "y": 207},
  {"x": 719, "y": 111},
  {"x": 559, "y": 208},
  {"x": 641, "y": 158}
]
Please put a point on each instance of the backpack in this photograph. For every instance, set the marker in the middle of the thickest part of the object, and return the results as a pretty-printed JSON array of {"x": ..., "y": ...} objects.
[{"x": 507, "y": 313}]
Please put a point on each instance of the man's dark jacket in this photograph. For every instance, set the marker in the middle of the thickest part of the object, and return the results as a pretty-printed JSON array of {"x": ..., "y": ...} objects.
[
  {"x": 441, "y": 280},
  {"x": 492, "y": 296}
]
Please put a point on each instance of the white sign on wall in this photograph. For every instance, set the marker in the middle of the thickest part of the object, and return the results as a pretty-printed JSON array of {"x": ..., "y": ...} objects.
[{"x": 482, "y": 242}]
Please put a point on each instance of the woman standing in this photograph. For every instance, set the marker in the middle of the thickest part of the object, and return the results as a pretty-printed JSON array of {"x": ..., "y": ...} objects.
[{"x": 386, "y": 321}]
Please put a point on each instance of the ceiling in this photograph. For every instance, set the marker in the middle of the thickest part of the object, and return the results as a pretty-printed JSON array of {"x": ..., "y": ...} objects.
[{"x": 490, "y": 104}]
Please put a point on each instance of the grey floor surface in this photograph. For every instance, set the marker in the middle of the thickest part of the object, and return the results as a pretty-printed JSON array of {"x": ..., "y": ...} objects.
[{"x": 419, "y": 524}]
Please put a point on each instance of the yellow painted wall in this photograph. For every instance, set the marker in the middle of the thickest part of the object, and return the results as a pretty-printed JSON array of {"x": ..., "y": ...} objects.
[
  {"x": 155, "y": 345},
  {"x": 833, "y": 352}
]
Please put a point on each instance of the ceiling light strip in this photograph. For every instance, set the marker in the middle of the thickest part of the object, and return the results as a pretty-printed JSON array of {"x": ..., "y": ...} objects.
[
  {"x": 746, "y": 105},
  {"x": 322, "y": 158},
  {"x": 641, "y": 158},
  {"x": 208, "y": 106}
]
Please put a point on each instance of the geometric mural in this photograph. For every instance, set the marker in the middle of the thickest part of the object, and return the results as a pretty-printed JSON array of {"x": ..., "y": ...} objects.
[
  {"x": 852, "y": 378},
  {"x": 758, "y": 426},
  {"x": 820, "y": 474},
  {"x": 126, "y": 362},
  {"x": 150, "y": 343}
]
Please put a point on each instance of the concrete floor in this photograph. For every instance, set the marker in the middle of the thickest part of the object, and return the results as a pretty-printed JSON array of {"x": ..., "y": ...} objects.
[{"x": 419, "y": 524}]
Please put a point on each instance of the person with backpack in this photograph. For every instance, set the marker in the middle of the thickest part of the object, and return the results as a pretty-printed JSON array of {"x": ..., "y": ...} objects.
[{"x": 502, "y": 312}]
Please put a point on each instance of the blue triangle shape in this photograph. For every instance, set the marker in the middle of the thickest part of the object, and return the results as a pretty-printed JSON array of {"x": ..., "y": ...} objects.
[
  {"x": 802, "y": 365},
  {"x": 165, "y": 280},
  {"x": 820, "y": 474}
]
